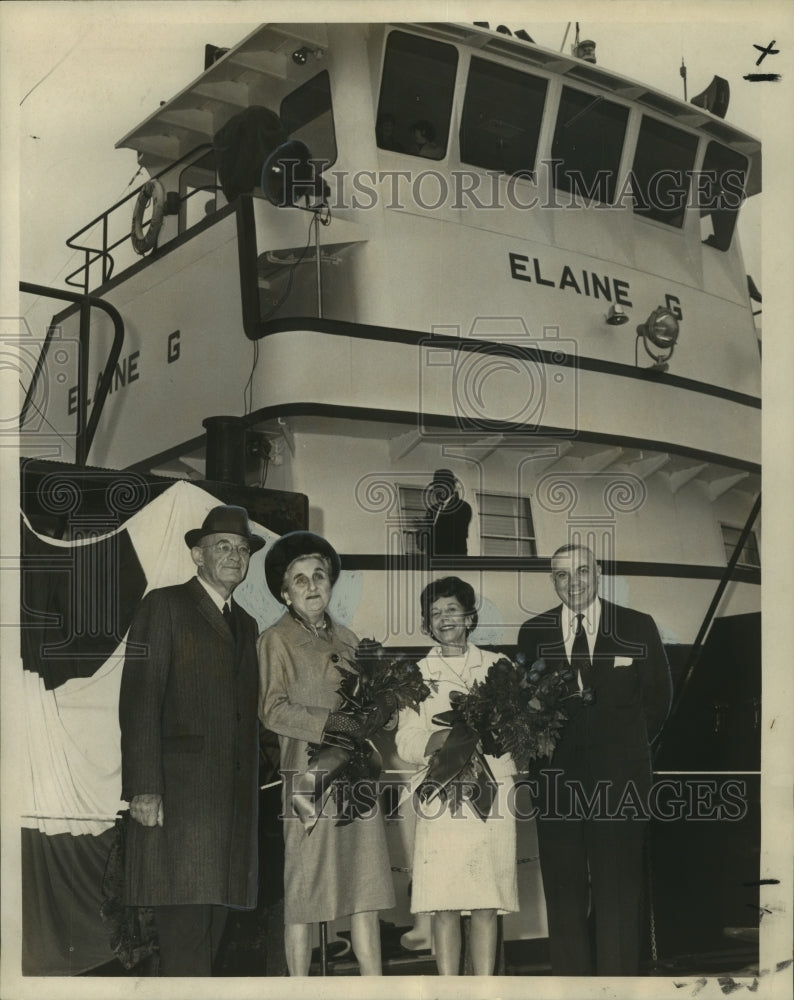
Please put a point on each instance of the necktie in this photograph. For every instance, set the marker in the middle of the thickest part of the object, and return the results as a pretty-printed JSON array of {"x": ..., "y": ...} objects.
[
  {"x": 227, "y": 614},
  {"x": 580, "y": 653}
]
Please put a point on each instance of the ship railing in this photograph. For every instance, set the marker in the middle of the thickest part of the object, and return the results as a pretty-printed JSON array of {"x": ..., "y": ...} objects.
[
  {"x": 81, "y": 276},
  {"x": 86, "y": 424},
  {"x": 697, "y": 646}
]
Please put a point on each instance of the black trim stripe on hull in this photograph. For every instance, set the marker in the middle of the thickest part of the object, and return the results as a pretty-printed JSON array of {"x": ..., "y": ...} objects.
[
  {"x": 397, "y": 335},
  {"x": 447, "y": 422},
  {"x": 366, "y": 414},
  {"x": 537, "y": 564}
]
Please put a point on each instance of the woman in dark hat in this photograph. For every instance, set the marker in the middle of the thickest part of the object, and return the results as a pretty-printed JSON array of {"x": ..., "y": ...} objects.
[{"x": 331, "y": 871}]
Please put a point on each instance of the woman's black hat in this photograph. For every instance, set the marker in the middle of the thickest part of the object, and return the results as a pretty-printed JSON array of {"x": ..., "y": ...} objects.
[{"x": 292, "y": 546}]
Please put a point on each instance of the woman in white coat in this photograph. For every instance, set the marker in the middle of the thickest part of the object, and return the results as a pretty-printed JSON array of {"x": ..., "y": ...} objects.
[{"x": 460, "y": 863}]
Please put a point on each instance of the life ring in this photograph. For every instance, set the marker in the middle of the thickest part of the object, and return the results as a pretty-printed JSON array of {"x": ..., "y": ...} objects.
[{"x": 154, "y": 192}]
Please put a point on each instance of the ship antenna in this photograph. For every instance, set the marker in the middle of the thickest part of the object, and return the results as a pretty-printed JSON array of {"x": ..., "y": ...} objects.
[
  {"x": 682, "y": 71},
  {"x": 565, "y": 36}
]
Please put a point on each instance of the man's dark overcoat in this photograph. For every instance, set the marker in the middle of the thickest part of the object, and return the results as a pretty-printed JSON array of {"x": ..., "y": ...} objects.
[
  {"x": 596, "y": 859},
  {"x": 188, "y": 714}
]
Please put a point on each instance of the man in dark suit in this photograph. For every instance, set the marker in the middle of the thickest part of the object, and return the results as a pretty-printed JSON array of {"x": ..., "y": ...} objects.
[
  {"x": 189, "y": 748},
  {"x": 447, "y": 517},
  {"x": 592, "y": 797}
]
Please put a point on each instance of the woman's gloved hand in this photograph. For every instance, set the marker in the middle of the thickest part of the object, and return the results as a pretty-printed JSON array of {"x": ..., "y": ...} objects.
[
  {"x": 360, "y": 725},
  {"x": 350, "y": 724}
]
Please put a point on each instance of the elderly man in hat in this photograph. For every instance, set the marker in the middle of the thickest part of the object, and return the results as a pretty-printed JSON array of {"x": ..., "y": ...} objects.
[{"x": 189, "y": 748}]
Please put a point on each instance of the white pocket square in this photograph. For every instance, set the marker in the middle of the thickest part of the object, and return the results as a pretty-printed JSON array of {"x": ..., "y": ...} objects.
[{"x": 623, "y": 661}]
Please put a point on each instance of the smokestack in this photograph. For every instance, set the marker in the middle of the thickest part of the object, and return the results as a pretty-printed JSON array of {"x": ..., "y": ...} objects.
[{"x": 225, "y": 449}]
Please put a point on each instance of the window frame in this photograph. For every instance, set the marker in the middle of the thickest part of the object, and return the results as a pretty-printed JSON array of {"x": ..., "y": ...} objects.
[
  {"x": 526, "y": 517},
  {"x": 389, "y": 108},
  {"x": 723, "y": 220},
  {"x": 537, "y": 78},
  {"x": 679, "y": 222},
  {"x": 628, "y": 143},
  {"x": 326, "y": 163},
  {"x": 751, "y": 546},
  {"x": 409, "y": 521}
]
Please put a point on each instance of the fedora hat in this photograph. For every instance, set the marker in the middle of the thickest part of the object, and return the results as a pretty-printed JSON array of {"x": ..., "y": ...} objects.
[
  {"x": 292, "y": 546},
  {"x": 225, "y": 520}
]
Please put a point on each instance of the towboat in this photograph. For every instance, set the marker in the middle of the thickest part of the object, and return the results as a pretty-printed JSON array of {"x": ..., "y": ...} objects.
[{"x": 365, "y": 253}]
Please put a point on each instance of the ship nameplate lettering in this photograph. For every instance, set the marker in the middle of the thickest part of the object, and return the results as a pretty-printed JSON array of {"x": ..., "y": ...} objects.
[
  {"x": 126, "y": 372},
  {"x": 579, "y": 280}
]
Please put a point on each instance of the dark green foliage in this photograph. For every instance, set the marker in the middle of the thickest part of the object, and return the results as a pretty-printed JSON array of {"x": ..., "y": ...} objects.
[{"x": 515, "y": 710}]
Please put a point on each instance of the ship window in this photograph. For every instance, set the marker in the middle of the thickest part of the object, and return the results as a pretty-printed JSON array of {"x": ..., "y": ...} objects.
[
  {"x": 307, "y": 114},
  {"x": 198, "y": 188},
  {"x": 412, "y": 518},
  {"x": 416, "y": 91},
  {"x": 720, "y": 192},
  {"x": 661, "y": 173},
  {"x": 506, "y": 527},
  {"x": 505, "y": 521},
  {"x": 750, "y": 555},
  {"x": 588, "y": 141},
  {"x": 501, "y": 118}
]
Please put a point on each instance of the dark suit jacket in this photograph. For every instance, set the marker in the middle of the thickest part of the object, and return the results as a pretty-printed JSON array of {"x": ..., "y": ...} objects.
[
  {"x": 189, "y": 732},
  {"x": 610, "y": 739},
  {"x": 449, "y": 528}
]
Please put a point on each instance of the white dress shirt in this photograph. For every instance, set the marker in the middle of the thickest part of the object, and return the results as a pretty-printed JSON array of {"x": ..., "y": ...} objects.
[{"x": 217, "y": 600}]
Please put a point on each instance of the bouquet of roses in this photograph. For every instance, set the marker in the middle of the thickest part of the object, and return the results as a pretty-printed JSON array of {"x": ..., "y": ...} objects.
[
  {"x": 373, "y": 687},
  {"x": 514, "y": 711}
]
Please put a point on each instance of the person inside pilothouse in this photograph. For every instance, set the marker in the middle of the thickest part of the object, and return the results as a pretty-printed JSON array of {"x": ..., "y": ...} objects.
[
  {"x": 423, "y": 135},
  {"x": 384, "y": 132}
]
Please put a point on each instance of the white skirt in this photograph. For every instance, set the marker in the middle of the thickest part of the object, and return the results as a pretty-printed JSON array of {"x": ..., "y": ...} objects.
[{"x": 463, "y": 863}]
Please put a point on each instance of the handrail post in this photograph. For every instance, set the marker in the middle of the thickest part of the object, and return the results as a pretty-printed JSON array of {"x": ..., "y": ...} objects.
[
  {"x": 697, "y": 646},
  {"x": 81, "y": 449},
  {"x": 104, "y": 249},
  {"x": 86, "y": 428}
]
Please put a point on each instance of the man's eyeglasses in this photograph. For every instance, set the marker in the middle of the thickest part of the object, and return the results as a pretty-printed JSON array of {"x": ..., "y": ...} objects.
[{"x": 225, "y": 548}]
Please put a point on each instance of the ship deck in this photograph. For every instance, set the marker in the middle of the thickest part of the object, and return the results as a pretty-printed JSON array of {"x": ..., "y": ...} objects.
[{"x": 245, "y": 952}]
